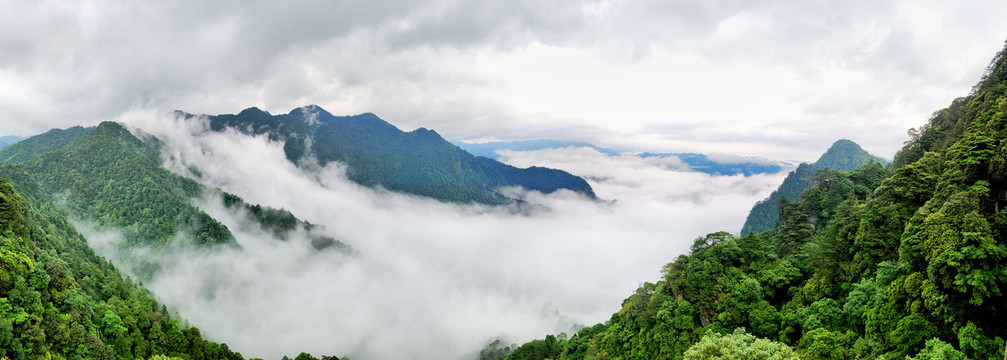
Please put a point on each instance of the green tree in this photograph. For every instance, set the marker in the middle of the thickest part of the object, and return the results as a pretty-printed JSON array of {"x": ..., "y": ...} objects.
[
  {"x": 738, "y": 345},
  {"x": 938, "y": 350}
]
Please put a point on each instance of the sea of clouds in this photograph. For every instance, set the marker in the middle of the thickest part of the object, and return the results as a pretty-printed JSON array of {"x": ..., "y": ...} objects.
[{"x": 425, "y": 279}]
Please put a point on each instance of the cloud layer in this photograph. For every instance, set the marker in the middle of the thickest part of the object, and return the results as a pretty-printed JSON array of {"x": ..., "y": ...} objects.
[
  {"x": 771, "y": 78},
  {"x": 430, "y": 280}
]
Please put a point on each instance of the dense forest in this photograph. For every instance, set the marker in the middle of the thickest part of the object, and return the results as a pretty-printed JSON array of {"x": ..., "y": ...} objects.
[
  {"x": 843, "y": 155},
  {"x": 904, "y": 262},
  {"x": 377, "y": 154},
  {"x": 60, "y": 300},
  {"x": 107, "y": 175}
]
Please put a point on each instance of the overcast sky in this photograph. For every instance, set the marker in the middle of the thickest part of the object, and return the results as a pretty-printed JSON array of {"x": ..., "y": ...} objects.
[{"x": 772, "y": 78}]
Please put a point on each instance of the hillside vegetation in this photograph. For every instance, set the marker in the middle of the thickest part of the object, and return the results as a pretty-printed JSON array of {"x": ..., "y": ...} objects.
[
  {"x": 60, "y": 300},
  {"x": 108, "y": 176},
  {"x": 843, "y": 155},
  {"x": 867, "y": 264}
]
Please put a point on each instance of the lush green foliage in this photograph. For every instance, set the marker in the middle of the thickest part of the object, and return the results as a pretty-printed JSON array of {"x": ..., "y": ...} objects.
[
  {"x": 59, "y": 300},
  {"x": 378, "y": 154},
  {"x": 41, "y": 144},
  {"x": 846, "y": 155},
  {"x": 843, "y": 155},
  {"x": 108, "y": 176},
  {"x": 870, "y": 264},
  {"x": 738, "y": 346}
]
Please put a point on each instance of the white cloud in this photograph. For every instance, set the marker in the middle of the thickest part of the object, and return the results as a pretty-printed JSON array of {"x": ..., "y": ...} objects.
[{"x": 431, "y": 280}]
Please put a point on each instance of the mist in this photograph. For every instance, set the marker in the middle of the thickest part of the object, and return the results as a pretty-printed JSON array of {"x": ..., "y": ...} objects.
[{"x": 426, "y": 279}]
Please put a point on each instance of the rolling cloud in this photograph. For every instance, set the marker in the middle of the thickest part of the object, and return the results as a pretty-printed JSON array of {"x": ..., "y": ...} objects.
[{"x": 428, "y": 279}]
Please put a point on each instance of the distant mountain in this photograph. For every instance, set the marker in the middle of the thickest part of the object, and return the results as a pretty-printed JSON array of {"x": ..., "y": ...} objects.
[
  {"x": 843, "y": 155},
  {"x": 6, "y": 141},
  {"x": 705, "y": 164},
  {"x": 697, "y": 162},
  {"x": 378, "y": 154},
  {"x": 489, "y": 149}
]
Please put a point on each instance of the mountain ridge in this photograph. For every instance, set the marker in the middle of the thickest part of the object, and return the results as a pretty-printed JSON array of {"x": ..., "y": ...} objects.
[
  {"x": 378, "y": 154},
  {"x": 106, "y": 175},
  {"x": 695, "y": 161}
]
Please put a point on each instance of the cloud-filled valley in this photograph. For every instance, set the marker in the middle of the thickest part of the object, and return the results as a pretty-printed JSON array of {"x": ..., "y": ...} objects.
[{"x": 426, "y": 278}]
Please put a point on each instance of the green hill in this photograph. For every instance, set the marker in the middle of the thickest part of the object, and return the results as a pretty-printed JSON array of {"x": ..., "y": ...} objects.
[
  {"x": 870, "y": 264},
  {"x": 60, "y": 300},
  {"x": 40, "y": 144},
  {"x": 106, "y": 175},
  {"x": 843, "y": 155},
  {"x": 378, "y": 154}
]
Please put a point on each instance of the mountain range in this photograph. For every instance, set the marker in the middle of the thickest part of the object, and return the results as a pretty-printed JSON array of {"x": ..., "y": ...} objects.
[
  {"x": 60, "y": 299},
  {"x": 377, "y": 154},
  {"x": 696, "y": 162}
]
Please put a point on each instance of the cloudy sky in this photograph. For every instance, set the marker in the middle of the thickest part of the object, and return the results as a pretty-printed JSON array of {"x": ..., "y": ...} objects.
[{"x": 772, "y": 78}]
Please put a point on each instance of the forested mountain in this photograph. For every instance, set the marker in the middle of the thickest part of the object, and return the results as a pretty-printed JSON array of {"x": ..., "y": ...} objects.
[
  {"x": 697, "y": 162},
  {"x": 843, "y": 155},
  {"x": 106, "y": 175},
  {"x": 40, "y": 144},
  {"x": 60, "y": 300},
  {"x": 865, "y": 265},
  {"x": 378, "y": 154}
]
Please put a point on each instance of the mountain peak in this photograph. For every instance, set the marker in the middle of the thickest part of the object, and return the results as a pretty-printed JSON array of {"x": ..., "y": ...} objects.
[
  {"x": 845, "y": 155},
  {"x": 311, "y": 114},
  {"x": 253, "y": 111}
]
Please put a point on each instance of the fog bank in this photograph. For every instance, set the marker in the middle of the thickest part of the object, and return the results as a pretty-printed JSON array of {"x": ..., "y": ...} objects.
[{"x": 428, "y": 279}]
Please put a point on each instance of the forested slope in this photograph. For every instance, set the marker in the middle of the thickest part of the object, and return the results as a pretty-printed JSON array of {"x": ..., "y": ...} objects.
[
  {"x": 868, "y": 264},
  {"x": 378, "y": 154},
  {"x": 59, "y": 300},
  {"x": 107, "y": 175},
  {"x": 843, "y": 155}
]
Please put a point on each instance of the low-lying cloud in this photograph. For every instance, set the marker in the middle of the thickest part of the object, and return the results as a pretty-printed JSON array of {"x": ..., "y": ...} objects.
[{"x": 427, "y": 279}]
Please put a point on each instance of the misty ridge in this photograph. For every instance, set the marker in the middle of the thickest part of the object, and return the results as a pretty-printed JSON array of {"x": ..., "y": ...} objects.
[{"x": 425, "y": 278}]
